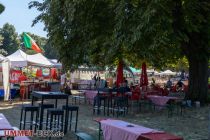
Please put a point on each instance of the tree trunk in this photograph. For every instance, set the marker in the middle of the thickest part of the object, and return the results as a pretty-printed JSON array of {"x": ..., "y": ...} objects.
[{"x": 198, "y": 79}]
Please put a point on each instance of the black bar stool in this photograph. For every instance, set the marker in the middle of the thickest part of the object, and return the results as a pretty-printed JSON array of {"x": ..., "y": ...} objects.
[
  {"x": 43, "y": 107},
  {"x": 97, "y": 104},
  {"x": 120, "y": 106},
  {"x": 120, "y": 102},
  {"x": 71, "y": 109},
  {"x": 55, "y": 119},
  {"x": 32, "y": 110}
]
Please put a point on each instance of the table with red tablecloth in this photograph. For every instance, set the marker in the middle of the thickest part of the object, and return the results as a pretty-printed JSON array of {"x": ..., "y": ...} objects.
[
  {"x": 149, "y": 92},
  {"x": 161, "y": 100},
  {"x": 90, "y": 95},
  {"x": 159, "y": 136},
  {"x": 121, "y": 130}
]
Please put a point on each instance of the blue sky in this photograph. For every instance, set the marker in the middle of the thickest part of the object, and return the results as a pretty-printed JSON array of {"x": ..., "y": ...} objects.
[{"x": 18, "y": 14}]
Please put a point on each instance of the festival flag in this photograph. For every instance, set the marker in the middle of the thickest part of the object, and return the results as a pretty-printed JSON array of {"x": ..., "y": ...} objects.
[{"x": 30, "y": 43}]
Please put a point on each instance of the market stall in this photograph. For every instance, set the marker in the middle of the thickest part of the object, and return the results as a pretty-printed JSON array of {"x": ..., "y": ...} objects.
[{"x": 30, "y": 63}]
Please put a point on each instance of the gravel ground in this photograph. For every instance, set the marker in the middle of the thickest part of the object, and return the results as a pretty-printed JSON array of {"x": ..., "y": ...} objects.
[{"x": 192, "y": 125}]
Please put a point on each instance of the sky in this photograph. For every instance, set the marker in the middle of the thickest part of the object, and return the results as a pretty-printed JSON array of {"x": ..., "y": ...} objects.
[{"x": 17, "y": 13}]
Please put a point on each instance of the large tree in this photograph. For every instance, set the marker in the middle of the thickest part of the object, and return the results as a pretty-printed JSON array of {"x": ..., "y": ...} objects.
[
  {"x": 2, "y": 51},
  {"x": 70, "y": 33},
  {"x": 1, "y": 8},
  {"x": 157, "y": 31},
  {"x": 49, "y": 51},
  {"x": 182, "y": 25},
  {"x": 10, "y": 42}
]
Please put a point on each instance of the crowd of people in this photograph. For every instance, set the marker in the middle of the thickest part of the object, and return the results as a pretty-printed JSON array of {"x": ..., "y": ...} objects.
[{"x": 98, "y": 82}]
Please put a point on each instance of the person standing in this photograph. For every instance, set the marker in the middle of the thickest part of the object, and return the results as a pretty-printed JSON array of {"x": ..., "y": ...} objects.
[
  {"x": 95, "y": 79},
  {"x": 63, "y": 81},
  {"x": 22, "y": 77},
  {"x": 169, "y": 83}
]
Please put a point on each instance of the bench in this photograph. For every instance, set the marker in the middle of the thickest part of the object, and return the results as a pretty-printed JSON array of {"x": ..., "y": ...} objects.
[{"x": 84, "y": 136}]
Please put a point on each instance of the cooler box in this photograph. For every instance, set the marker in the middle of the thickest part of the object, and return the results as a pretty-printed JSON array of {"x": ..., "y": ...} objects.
[{"x": 12, "y": 92}]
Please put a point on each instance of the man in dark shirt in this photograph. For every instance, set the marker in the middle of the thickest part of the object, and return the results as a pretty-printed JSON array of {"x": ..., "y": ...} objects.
[
  {"x": 179, "y": 85},
  {"x": 169, "y": 84}
]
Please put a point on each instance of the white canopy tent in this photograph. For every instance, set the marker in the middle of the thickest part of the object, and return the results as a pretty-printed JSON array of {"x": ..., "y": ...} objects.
[
  {"x": 39, "y": 60},
  {"x": 5, "y": 68},
  {"x": 55, "y": 63},
  {"x": 18, "y": 59},
  {"x": 156, "y": 73},
  {"x": 168, "y": 72},
  {"x": 21, "y": 59}
]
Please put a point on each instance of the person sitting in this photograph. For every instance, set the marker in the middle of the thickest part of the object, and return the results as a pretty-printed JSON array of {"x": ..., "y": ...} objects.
[
  {"x": 132, "y": 87},
  {"x": 169, "y": 84},
  {"x": 179, "y": 86},
  {"x": 22, "y": 77},
  {"x": 67, "y": 88},
  {"x": 125, "y": 84}
]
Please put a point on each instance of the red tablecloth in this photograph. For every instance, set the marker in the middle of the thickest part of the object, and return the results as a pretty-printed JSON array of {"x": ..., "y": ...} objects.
[
  {"x": 151, "y": 92},
  {"x": 121, "y": 130},
  {"x": 90, "y": 95},
  {"x": 159, "y": 136},
  {"x": 160, "y": 100}
]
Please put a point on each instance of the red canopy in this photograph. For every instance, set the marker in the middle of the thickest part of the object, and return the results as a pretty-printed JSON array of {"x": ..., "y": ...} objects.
[
  {"x": 119, "y": 73},
  {"x": 53, "y": 73},
  {"x": 39, "y": 73},
  {"x": 143, "y": 78}
]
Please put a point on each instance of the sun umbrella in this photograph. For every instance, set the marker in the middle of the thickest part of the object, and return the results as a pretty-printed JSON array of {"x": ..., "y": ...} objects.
[
  {"x": 119, "y": 73},
  {"x": 143, "y": 78}
]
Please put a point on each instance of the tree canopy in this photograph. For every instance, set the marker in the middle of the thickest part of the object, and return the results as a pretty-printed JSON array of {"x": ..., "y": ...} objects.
[
  {"x": 10, "y": 42},
  {"x": 105, "y": 30},
  {"x": 1, "y": 8},
  {"x": 157, "y": 31}
]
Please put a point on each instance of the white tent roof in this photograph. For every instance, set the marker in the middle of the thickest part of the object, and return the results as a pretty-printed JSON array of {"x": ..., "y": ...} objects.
[
  {"x": 2, "y": 58},
  {"x": 55, "y": 63},
  {"x": 156, "y": 73},
  {"x": 39, "y": 60},
  {"x": 21, "y": 59},
  {"x": 168, "y": 72},
  {"x": 18, "y": 59}
]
